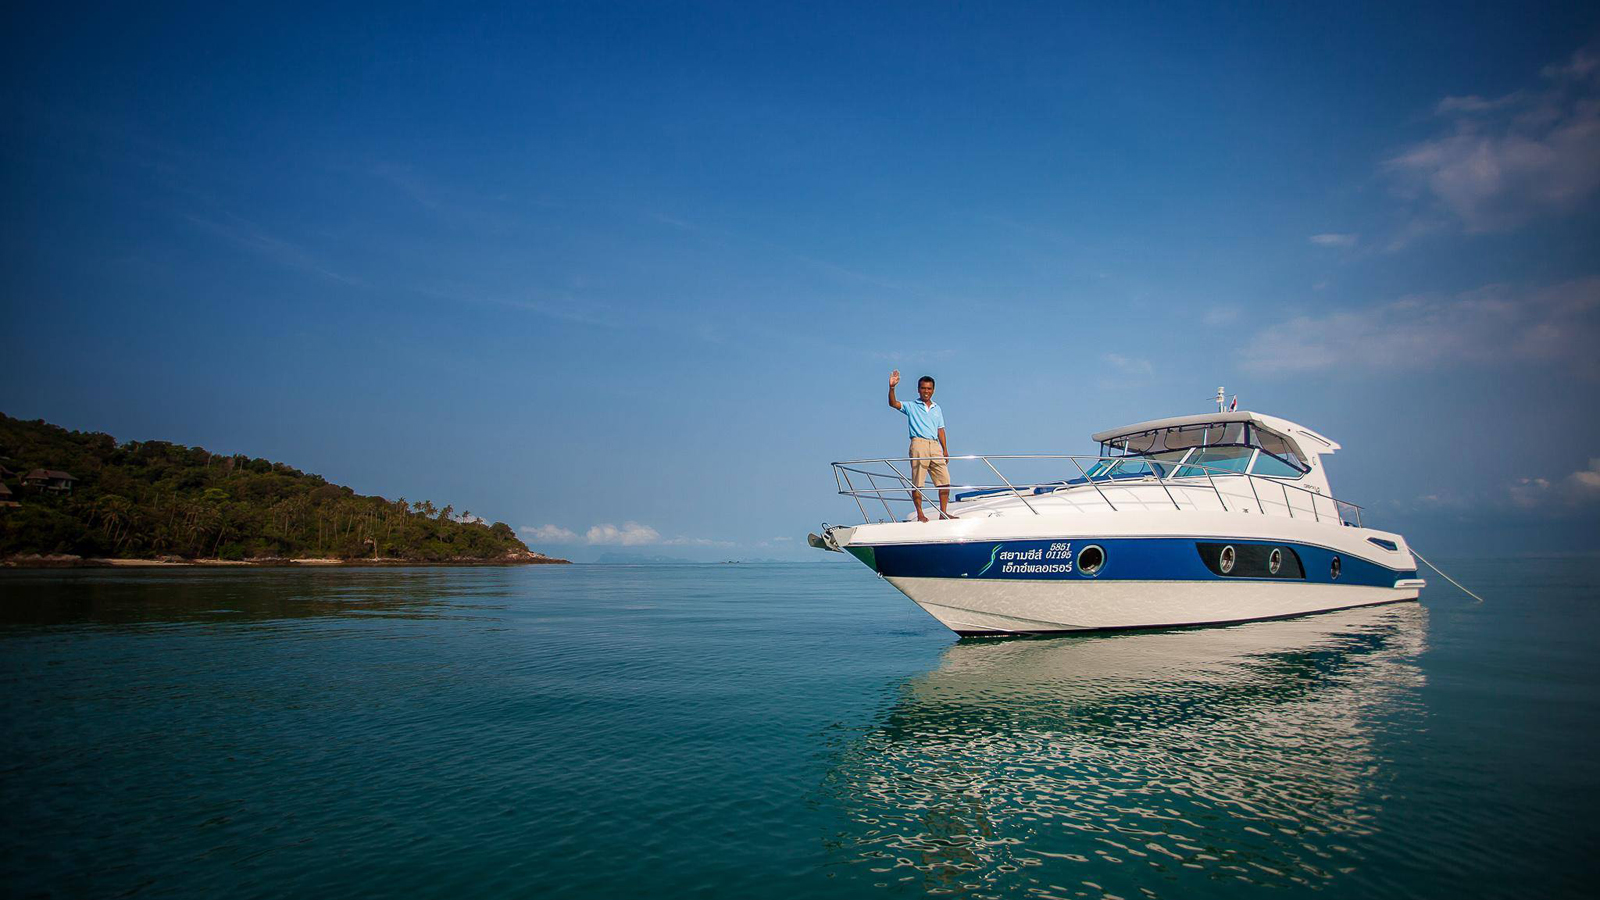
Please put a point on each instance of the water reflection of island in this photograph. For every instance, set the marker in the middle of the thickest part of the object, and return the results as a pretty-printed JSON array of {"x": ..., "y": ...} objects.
[
  {"x": 1174, "y": 762},
  {"x": 108, "y": 597}
]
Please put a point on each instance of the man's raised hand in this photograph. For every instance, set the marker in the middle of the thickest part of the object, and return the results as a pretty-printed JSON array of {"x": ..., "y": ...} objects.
[{"x": 894, "y": 378}]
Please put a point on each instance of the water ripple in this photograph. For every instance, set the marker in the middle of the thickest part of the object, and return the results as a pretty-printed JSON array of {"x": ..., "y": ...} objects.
[{"x": 1244, "y": 754}]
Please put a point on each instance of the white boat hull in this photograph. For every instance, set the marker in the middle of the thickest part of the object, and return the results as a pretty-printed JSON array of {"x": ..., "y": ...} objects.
[
  {"x": 978, "y": 607},
  {"x": 1004, "y": 575}
]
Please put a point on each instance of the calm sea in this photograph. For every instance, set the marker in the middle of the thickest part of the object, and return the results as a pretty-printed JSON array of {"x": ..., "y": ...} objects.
[{"x": 799, "y": 730}]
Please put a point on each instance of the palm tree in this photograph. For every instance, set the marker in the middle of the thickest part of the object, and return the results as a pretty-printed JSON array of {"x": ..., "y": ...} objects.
[{"x": 113, "y": 512}]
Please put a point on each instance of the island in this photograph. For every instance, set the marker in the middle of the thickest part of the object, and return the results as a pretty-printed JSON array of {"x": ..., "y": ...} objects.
[{"x": 71, "y": 498}]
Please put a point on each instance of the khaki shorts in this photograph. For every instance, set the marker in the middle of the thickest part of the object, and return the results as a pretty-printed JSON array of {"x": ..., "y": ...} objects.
[{"x": 927, "y": 458}]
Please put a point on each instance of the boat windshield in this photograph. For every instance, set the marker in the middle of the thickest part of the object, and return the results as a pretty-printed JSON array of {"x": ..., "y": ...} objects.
[
  {"x": 1219, "y": 445},
  {"x": 1196, "y": 462},
  {"x": 1158, "y": 464},
  {"x": 1216, "y": 461}
]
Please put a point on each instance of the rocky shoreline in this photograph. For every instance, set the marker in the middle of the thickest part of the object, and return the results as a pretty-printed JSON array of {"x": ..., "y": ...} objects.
[{"x": 69, "y": 561}]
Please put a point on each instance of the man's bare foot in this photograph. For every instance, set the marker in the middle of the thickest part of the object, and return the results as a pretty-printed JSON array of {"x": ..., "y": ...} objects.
[
  {"x": 948, "y": 516},
  {"x": 921, "y": 517}
]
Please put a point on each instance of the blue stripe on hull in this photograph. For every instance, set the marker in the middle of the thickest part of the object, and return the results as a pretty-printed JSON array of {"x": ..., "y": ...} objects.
[{"x": 1126, "y": 559}]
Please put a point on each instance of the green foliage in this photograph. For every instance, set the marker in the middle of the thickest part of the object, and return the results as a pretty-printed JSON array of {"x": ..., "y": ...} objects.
[{"x": 152, "y": 498}]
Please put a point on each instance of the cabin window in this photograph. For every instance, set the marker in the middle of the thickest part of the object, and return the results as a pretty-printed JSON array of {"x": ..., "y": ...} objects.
[
  {"x": 1272, "y": 466},
  {"x": 1217, "y": 460}
]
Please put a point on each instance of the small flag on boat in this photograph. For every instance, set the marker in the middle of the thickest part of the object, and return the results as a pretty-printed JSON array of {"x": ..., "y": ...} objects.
[{"x": 1235, "y": 404}]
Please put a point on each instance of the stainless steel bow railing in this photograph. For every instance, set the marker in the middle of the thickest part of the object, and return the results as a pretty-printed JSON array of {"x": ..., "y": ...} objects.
[{"x": 894, "y": 470}]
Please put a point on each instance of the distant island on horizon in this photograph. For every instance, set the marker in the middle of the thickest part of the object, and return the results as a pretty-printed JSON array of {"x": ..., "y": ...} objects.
[{"x": 72, "y": 498}]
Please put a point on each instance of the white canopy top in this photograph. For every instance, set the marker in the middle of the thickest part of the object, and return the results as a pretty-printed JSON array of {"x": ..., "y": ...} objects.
[{"x": 1307, "y": 442}]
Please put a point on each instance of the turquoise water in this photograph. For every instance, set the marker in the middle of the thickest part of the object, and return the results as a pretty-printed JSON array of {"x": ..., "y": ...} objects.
[{"x": 801, "y": 730}]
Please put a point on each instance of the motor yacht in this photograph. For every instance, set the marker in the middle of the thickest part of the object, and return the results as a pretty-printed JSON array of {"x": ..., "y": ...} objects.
[{"x": 1191, "y": 520}]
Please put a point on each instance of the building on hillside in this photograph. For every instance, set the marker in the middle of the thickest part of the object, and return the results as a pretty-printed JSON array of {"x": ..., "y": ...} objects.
[
  {"x": 6, "y": 500},
  {"x": 51, "y": 480}
]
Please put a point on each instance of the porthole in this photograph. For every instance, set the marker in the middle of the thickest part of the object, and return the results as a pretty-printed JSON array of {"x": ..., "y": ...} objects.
[
  {"x": 1226, "y": 559},
  {"x": 1275, "y": 561},
  {"x": 1334, "y": 569},
  {"x": 1091, "y": 560}
]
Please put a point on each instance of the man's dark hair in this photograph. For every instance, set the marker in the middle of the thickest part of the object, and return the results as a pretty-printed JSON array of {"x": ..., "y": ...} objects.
[{"x": 927, "y": 378}]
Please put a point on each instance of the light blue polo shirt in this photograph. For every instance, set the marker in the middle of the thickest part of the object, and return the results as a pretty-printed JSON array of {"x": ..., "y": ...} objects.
[{"x": 925, "y": 421}]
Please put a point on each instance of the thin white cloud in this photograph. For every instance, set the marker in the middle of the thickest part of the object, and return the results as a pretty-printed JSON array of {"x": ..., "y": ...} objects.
[
  {"x": 725, "y": 238},
  {"x": 1472, "y": 103},
  {"x": 577, "y": 312},
  {"x": 673, "y": 221},
  {"x": 550, "y": 534},
  {"x": 1585, "y": 483},
  {"x": 695, "y": 542},
  {"x": 911, "y": 356},
  {"x": 1557, "y": 325},
  {"x": 1221, "y": 315},
  {"x": 1579, "y": 489},
  {"x": 1501, "y": 161},
  {"x": 628, "y": 534},
  {"x": 252, "y": 237},
  {"x": 454, "y": 206},
  {"x": 631, "y": 534},
  {"x": 1128, "y": 365},
  {"x": 1332, "y": 239},
  {"x": 1581, "y": 65},
  {"x": 1528, "y": 493}
]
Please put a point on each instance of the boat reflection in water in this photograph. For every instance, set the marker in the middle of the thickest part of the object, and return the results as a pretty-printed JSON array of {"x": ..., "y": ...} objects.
[{"x": 1170, "y": 762}]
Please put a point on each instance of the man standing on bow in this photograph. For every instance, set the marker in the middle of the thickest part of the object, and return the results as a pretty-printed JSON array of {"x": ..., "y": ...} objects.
[{"x": 929, "y": 452}]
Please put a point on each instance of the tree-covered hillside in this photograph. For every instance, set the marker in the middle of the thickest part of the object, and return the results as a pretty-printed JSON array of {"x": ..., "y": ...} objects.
[{"x": 152, "y": 498}]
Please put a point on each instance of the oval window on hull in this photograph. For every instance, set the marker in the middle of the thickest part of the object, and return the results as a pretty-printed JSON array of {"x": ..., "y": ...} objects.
[
  {"x": 1275, "y": 561},
  {"x": 1334, "y": 568},
  {"x": 1091, "y": 560},
  {"x": 1226, "y": 559}
]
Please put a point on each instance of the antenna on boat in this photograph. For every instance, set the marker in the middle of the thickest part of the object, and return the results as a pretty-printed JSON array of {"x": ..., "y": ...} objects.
[{"x": 1222, "y": 399}]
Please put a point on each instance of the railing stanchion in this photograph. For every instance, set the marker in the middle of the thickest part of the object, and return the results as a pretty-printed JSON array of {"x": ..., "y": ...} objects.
[
  {"x": 881, "y": 499},
  {"x": 865, "y": 519},
  {"x": 1008, "y": 484},
  {"x": 1214, "y": 488},
  {"x": 1255, "y": 494},
  {"x": 1286, "y": 504},
  {"x": 1096, "y": 486},
  {"x": 904, "y": 481},
  {"x": 1163, "y": 482}
]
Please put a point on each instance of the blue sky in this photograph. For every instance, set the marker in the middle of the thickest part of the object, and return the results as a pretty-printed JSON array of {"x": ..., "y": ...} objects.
[{"x": 630, "y": 276}]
